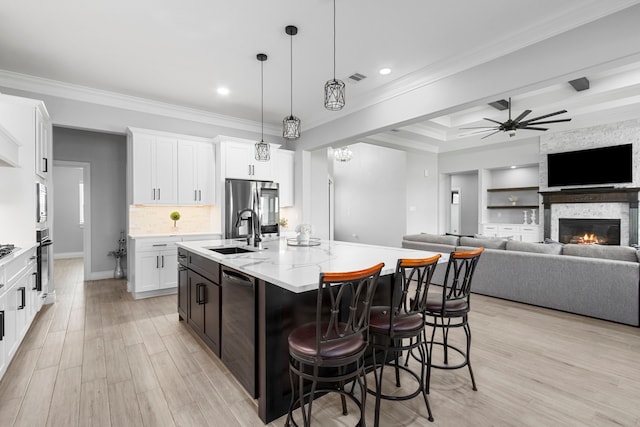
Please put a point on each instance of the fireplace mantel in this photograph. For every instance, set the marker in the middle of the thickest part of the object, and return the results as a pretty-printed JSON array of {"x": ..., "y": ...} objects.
[{"x": 627, "y": 195}]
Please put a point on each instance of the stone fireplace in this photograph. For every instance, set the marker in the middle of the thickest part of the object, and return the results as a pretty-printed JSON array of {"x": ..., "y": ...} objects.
[
  {"x": 619, "y": 205},
  {"x": 588, "y": 231}
]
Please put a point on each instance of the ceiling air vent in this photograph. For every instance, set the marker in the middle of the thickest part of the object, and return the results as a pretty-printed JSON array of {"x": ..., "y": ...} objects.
[
  {"x": 501, "y": 104},
  {"x": 356, "y": 77}
]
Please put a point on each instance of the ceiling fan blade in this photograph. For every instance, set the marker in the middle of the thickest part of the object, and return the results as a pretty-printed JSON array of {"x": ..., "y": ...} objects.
[
  {"x": 522, "y": 115},
  {"x": 481, "y": 127},
  {"x": 491, "y": 120},
  {"x": 546, "y": 122},
  {"x": 528, "y": 128},
  {"x": 545, "y": 116},
  {"x": 482, "y": 131},
  {"x": 493, "y": 133}
]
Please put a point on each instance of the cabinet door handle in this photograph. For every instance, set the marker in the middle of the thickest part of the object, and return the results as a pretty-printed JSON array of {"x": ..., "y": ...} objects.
[
  {"x": 249, "y": 169},
  {"x": 201, "y": 294},
  {"x": 35, "y": 281},
  {"x": 157, "y": 261},
  {"x": 159, "y": 244},
  {"x": 199, "y": 195},
  {"x": 159, "y": 194},
  {"x": 2, "y": 325},
  {"x": 162, "y": 261},
  {"x": 195, "y": 195},
  {"x": 46, "y": 164},
  {"x": 154, "y": 194},
  {"x": 22, "y": 291},
  {"x": 253, "y": 169}
]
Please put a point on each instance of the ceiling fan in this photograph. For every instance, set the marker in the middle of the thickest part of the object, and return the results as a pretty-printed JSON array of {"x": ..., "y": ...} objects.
[{"x": 511, "y": 125}]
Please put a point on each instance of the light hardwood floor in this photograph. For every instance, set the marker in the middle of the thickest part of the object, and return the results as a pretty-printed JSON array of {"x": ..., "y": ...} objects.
[{"x": 97, "y": 357}]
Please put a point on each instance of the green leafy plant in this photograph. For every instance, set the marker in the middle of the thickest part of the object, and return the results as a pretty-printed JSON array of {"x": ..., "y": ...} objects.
[
  {"x": 175, "y": 216},
  {"x": 283, "y": 222}
]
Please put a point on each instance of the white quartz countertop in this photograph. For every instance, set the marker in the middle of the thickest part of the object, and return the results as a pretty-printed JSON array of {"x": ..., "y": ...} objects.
[
  {"x": 297, "y": 268},
  {"x": 15, "y": 254}
]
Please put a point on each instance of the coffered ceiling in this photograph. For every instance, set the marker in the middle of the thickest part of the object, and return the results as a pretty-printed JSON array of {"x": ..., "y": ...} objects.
[{"x": 179, "y": 53}]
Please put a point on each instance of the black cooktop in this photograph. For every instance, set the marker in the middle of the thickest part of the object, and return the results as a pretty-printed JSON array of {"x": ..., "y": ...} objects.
[{"x": 6, "y": 250}]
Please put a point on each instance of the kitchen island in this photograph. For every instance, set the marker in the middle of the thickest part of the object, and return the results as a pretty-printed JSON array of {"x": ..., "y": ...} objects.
[{"x": 244, "y": 305}]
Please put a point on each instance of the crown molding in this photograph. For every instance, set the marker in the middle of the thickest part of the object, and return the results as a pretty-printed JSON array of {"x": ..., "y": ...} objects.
[{"x": 79, "y": 93}]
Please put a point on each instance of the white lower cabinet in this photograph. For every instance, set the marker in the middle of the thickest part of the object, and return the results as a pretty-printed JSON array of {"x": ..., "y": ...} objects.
[
  {"x": 18, "y": 304},
  {"x": 155, "y": 259},
  {"x": 524, "y": 233}
]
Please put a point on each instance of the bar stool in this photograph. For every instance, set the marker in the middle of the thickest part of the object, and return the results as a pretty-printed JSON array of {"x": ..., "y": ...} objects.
[
  {"x": 453, "y": 306},
  {"x": 401, "y": 326},
  {"x": 331, "y": 349}
]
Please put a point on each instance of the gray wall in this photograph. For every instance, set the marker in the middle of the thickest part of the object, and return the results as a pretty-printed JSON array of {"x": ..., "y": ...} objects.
[
  {"x": 422, "y": 192},
  {"x": 66, "y": 208},
  {"x": 371, "y": 196},
  {"x": 107, "y": 155}
]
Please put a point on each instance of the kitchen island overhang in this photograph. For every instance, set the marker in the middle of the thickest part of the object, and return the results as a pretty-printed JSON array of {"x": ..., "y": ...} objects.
[{"x": 285, "y": 297}]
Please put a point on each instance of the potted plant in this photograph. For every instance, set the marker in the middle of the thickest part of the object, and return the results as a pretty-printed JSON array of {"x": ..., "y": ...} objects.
[{"x": 175, "y": 216}]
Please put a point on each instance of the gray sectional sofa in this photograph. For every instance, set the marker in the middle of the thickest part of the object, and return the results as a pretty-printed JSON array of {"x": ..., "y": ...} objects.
[{"x": 592, "y": 280}]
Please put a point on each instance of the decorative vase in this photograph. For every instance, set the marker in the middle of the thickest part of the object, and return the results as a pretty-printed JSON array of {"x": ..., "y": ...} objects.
[
  {"x": 303, "y": 237},
  {"x": 118, "y": 273},
  {"x": 513, "y": 203}
]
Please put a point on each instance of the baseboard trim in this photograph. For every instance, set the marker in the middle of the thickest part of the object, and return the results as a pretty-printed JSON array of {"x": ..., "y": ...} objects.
[
  {"x": 100, "y": 275},
  {"x": 67, "y": 255},
  {"x": 158, "y": 293},
  {"x": 50, "y": 298}
]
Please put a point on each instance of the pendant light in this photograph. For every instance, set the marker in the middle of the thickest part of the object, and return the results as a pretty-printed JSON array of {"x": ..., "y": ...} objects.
[
  {"x": 291, "y": 124},
  {"x": 334, "y": 89},
  {"x": 343, "y": 154},
  {"x": 263, "y": 154}
]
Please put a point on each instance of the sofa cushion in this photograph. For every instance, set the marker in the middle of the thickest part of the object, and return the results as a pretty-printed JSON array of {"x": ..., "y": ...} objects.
[
  {"x": 540, "y": 248},
  {"x": 432, "y": 238},
  {"x": 485, "y": 243},
  {"x": 620, "y": 253}
]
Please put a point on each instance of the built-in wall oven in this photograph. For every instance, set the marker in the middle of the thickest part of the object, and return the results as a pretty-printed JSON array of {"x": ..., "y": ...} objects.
[{"x": 44, "y": 255}]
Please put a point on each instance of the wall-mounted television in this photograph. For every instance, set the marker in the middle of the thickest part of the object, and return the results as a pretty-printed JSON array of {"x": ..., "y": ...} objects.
[{"x": 597, "y": 166}]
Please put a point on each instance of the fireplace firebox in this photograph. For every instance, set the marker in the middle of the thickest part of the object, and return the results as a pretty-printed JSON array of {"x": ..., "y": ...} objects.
[{"x": 589, "y": 231}]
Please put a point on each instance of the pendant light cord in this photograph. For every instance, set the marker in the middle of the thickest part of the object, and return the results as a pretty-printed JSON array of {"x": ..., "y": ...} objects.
[
  {"x": 334, "y": 40},
  {"x": 291, "y": 88},
  {"x": 262, "y": 101}
]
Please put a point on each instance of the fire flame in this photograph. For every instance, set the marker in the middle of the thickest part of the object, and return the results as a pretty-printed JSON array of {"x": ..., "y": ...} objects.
[{"x": 589, "y": 239}]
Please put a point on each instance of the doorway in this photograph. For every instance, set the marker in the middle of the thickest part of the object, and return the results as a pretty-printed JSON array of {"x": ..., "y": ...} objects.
[{"x": 72, "y": 211}]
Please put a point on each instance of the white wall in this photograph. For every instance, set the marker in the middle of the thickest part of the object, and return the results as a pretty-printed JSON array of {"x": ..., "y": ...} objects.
[
  {"x": 66, "y": 209},
  {"x": 422, "y": 192},
  {"x": 108, "y": 157},
  {"x": 320, "y": 172},
  {"x": 371, "y": 196}
]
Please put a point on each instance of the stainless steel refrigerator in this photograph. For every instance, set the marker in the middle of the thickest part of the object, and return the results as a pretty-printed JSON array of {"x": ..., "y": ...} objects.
[{"x": 261, "y": 197}]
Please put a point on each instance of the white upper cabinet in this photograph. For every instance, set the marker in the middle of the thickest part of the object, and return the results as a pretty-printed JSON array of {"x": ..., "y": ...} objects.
[
  {"x": 154, "y": 168},
  {"x": 195, "y": 172},
  {"x": 43, "y": 143},
  {"x": 9, "y": 149},
  {"x": 240, "y": 162},
  {"x": 170, "y": 169},
  {"x": 284, "y": 176}
]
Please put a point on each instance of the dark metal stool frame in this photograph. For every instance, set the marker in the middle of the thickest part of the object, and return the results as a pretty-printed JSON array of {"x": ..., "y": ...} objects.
[
  {"x": 337, "y": 340},
  {"x": 403, "y": 320},
  {"x": 454, "y": 305}
]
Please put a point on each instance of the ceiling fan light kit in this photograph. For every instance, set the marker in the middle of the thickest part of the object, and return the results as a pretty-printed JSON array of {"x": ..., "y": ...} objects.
[
  {"x": 512, "y": 125},
  {"x": 334, "y": 90},
  {"x": 291, "y": 124}
]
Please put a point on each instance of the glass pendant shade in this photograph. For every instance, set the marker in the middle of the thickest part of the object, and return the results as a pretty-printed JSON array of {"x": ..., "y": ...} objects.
[
  {"x": 291, "y": 127},
  {"x": 263, "y": 153},
  {"x": 334, "y": 95},
  {"x": 343, "y": 154}
]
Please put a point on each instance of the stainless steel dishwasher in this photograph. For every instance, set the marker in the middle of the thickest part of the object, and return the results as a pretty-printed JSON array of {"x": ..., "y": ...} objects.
[{"x": 237, "y": 338}]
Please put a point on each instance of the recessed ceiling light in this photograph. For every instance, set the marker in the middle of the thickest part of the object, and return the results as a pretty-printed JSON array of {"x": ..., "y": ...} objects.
[
  {"x": 513, "y": 167},
  {"x": 384, "y": 71},
  {"x": 223, "y": 91}
]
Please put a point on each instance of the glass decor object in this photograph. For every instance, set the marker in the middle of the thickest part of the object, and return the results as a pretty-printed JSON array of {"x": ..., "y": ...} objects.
[
  {"x": 291, "y": 124},
  {"x": 343, "y": 154},
  {"x": 263, "y": 152},
  {"x": 334, "y": 89}
]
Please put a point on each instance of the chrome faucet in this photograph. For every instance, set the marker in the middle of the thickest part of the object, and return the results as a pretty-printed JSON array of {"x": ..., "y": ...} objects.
[{"x": 255, "y": 226}]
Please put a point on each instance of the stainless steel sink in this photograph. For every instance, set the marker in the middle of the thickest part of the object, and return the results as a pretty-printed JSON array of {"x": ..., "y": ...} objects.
[{"x": 230, "y": 250}]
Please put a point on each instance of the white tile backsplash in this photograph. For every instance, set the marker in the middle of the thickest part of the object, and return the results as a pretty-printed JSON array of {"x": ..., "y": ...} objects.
[{"x": 147, "y": 220}]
